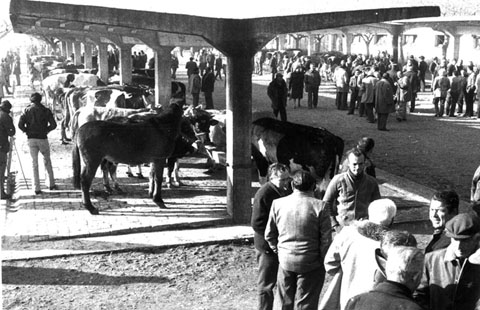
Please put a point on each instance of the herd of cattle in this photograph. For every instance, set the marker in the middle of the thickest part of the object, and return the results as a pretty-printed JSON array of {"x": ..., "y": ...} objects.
[{"x": 111, "y": 124}]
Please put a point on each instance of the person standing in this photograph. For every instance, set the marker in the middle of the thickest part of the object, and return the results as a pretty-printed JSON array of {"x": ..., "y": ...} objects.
[
  {"x": 174, "y": 66},
  {"x": 7, "y": 129},
  {"x": 17, "y": 69},
  {"x": 276, "y": 187},
  {"x": 477, "y": 88},
  {"x": 190, "y": 66},
  {"x": 218, "y": 67},
  {"x": 413, "y": 80},
  {"x": 295, "y": 86},
  {"x": 37, "y": 121},
  {"x": 470, "y": 91},
  {"x": 384, "y": 103},
  {"x": 403, "y": 96},
  {"x": 298, "y": 229},
  {"x": 453, "y": 93},
  {"x": 312, "y": 84},
  {"x": 208, "y": 84},
  {"x": 354, "y": 190},
  {"x": 451, "y": 276},
  {"x": 422, "y": 71},
  {"x": 341, "y": 82},
  {"x": 355, "y": 91},
  {"x": 277, "y": 92},
  {"x": 440, "y": 87},
  {"x": 368, "y": 94},
  {"x": 273, "y": 65},
  {"x": 443, "y": 207},
  {"x": 195, "y": 86}
]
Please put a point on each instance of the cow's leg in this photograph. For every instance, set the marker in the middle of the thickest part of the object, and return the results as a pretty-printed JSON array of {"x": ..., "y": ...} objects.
[
  {"x": 63, "y": 133},
  {"x": 139, "y": 174},
  {"x": 155, "y": 183},
  {"x": 172, "y": 168},
  {"x": 176, "y": 178},
  {"x": 112, "y": 170},
  {"x": 86, "y": 178},
  {"x": 129, "y": 172}
]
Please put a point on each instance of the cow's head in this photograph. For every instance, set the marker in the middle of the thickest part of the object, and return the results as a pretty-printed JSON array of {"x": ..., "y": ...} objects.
[{"x": 201, "y": 121}]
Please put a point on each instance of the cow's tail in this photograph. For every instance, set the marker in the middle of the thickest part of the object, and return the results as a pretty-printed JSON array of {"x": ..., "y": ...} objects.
[
  {"x": 74, "y": 123},
  {"x": 340, "y": 145},
  {"x": 76, "y": 166}
]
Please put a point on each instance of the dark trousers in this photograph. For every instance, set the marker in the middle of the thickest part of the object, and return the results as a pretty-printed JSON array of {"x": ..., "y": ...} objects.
[
  {"x": 382, "y": 121},
  {"x": 341, "y": 100},
  {"x": 361, "y": 108},
  {"x": 439, "y": 109},
  {"x": 354, "y": 99},
  {"x": 305, "y": 286},
  {"x": 3, "y": 168},
  {"x": 312, "y": 96},
  {"x": 267, "y": 279},
  {"x": 412, "y": 102},
  {"x": 208, "y": 100},
  {"x": 282, "y": 111},
  {"x": 469, "y": 98},
  {"x": 369, "y": 112},
  {"x": 196, "y": 99},
  {"x": 461, "y": 99},
  {"x": 452, "y": 99}
]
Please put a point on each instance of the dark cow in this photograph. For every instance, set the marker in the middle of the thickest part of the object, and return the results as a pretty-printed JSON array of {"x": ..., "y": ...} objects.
[
  {"x": 152, "y": 140},
  {"x": 300, "y": 147}
]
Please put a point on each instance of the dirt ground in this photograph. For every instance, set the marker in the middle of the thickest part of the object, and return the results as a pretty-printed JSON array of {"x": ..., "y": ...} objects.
[{"x": 435, "y": 152}]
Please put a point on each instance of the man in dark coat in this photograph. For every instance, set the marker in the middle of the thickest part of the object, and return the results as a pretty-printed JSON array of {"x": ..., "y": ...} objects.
[
  {"x": 403, "y": 270},
  {"x": 384, "y": 103},
  {"x": 208, "y": 84},
  {"x": 7, "y": 129},
  {"x": 276, "y": 187},
  {"x": 277, "y": 92}
]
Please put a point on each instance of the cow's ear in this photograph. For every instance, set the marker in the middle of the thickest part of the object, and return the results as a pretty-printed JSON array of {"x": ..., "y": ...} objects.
[{"x": 213, "y": 122}]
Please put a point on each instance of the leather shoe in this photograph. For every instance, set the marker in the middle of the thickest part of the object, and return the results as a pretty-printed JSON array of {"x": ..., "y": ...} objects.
[
  {"x": 38, "y": 192},
  {"x": 384, "y": 129},
  {"x": 54, "y": 187}
]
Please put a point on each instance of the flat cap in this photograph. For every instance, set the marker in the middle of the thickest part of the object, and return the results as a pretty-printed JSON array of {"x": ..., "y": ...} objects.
[{"x": 463, "y": 226}]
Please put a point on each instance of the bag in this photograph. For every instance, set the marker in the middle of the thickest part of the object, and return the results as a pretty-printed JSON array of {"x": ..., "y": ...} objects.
[
  {"x": 437, "y": 93},
  {"x": 470, "y": 89}
]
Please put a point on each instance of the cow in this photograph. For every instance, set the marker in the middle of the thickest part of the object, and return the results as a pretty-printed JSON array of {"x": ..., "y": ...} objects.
[
  {"x": 152, "y": 139},
  {"x": 298, "y": 146},
  {"x": 52, "y": 83}
]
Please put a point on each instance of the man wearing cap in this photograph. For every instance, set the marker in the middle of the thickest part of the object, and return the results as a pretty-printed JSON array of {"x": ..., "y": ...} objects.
[
  {"x": 451, "y": 277},
  {"x": 37, "y": 121},
  {"x": 298, "y": 229},
  {"x": 277, "y": 92},
  {"x": 443, "y": 207},
  {"x": 7, "y": 129}
]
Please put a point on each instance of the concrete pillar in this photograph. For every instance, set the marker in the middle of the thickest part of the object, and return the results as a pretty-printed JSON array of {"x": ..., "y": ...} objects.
[
  {"x": 239, "y": 123},
  {"x": 456, "y": 46},
  {"x": 282, "y": 38},
  {"x": 347, "y": 41},
  {"x": 125, "y": 64},
  {"x": 64, "y": 49},
  {"x": 88, "y": 55},
  {"x": 77, "y": 49},
  {"x": 163, "y": 78},
  {"x": 395, "y": 44},
  {"x": 103, "y": 62},
  {"x": 311, "y": 44},
  {"x": 69, "y": 48},
  {"x": 332, "y": 42}
]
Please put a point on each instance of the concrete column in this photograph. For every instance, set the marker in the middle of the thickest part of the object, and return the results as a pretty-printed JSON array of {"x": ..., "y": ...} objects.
[
  {"x": 69, "y": 48},
  {"x": 456, "y": 46},
  {"x": 77, "y": 49},
  {"x": 125, "y": 64},
  {"x": 395, "y": 41},
  {"x": 347, "y": 40},
  {"x": 88, "y": 55},
  {"x": 311, "y": 44},
  {"x": 332, "y": 44},
  {"x": 103, "y": 62},
  {"x": 282, "y": 38},
  {"x": 163, "y": 78},
  {"x": 64, "y": 49},
  {"x": 239, "y": 123}
]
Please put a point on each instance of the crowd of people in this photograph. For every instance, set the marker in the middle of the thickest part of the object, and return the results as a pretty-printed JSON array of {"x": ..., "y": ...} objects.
[
  {"x": 377, "y": 86},
  {"x": 348, "y": 235}
]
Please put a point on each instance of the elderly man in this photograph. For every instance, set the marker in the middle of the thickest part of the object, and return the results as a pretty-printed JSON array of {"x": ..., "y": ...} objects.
[
  {"x": 352, "y": 253},
  {"x": 443, "y": 207},
  {"x": 276, "y": 187},
  {"x": 451, "y": 277},
  {"x": 384, "y": 103},
  {"x": 404, "y": 271},
  {"x": 298, "y": 229},
  {"x": 354, "y": 190}
]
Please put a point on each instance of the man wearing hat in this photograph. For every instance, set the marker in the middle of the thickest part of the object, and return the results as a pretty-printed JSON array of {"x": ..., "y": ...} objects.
[
  {"x": 277, "y": 92},
  {"x": 7, "y": 129},
  {"x": 451, "y": 277},
  {"x": 37, "y": 121}
]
